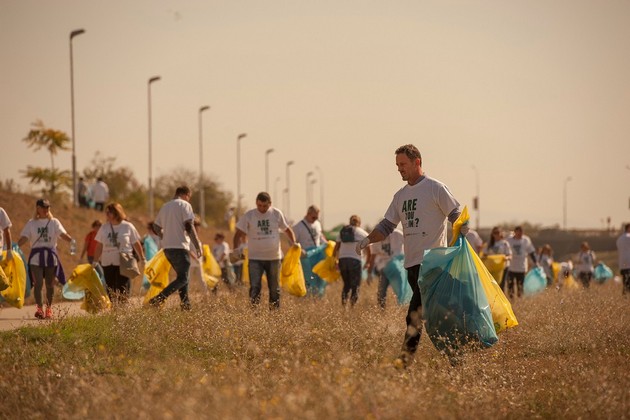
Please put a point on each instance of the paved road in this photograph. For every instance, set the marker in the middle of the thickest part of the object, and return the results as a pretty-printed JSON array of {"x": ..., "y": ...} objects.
[{"x": 11, "y": 318}]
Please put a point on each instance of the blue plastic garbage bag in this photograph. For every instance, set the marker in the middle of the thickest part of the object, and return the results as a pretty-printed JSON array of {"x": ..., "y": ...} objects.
[
  {"x": 315, "y": 285},
  {"x": 535, "y": 281},
  {"x": 602, "y": 273},
  {"x": 395, "y": 272},
  {"x": 454, "y": 304},
  {"x": 150, "y": 249}
]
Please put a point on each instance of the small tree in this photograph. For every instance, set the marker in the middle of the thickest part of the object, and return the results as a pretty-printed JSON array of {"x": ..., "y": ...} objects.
[{"x": 52, "y": 140}]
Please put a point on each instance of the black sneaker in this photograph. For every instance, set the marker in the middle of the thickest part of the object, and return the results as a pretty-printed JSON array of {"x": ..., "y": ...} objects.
[
  {"x": 156, "y": 302},
  {"x": 186, "y": 307}
]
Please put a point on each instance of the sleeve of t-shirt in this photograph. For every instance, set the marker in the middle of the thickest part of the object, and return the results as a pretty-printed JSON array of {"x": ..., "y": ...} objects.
[
  {"x": 392, "y": 212},
  {"x": 60, "y": 227},
  {"x": 133, "y": 235},
  {"x": 446, "y": 201},
  {"x": 242, "y": 223},
  {"x": 282, "y": 222},
  {"x": 101, "y": 236}
]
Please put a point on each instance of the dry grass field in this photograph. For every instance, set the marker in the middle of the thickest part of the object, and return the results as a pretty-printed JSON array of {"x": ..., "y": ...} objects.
[{"x": 568, "y": 358}]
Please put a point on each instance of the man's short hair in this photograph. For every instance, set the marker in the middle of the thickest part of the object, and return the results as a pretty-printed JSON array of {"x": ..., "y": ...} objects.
[
  {"x": 263, "y": 197},
  {"x": 312, "y": 209},
  {"x": 410, "y": 150},
  {"x": 182, "y": 190},
  {"x": 627, "y": 226},
  {"x": 355, "y": 220}
]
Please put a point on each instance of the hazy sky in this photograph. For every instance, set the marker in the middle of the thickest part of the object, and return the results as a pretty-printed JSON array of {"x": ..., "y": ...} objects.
[{"x": 517, "y": 94}]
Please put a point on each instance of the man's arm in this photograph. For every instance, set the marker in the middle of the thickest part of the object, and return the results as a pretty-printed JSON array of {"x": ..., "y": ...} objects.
[
  {"x": 9, "y": 242},
  {"x": 291, "y": 236},
  {"x": 238, "y": 237},
  {"x": 192, "y": 232},
  {"x": 157, "y": 229}
]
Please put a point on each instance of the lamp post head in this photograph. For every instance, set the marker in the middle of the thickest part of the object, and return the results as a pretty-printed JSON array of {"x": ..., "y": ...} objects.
[
  {"x": 76, "y": 33},
  {"x": 289, "y": 163},
  {"x": 569, "y": 179},
  {"x": 310, "y": 173},
  {"x": 240, "y": 136},
  {"x": 204, "y": 108},
  {"x": 154, "y": 79},
  {"x": 269, "y": 151}
]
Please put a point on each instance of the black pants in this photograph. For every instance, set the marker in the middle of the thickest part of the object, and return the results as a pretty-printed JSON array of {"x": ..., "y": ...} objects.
[
  {"x": 350, "y": 269},
  {"x": 625, "y": 276},
  {"x": 118, "y": 286},
  {"x": 585, "y": 278},
  {"x": 414, "y": 313},
  {"x": 514, "y": 278}
]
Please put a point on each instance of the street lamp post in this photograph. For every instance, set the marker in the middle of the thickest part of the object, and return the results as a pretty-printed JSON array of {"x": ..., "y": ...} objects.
[
  {"x": 313, "y": 181},
  {"x": 267, "y": 152},
  {"x": 202, "y": 197},
  {"x": 309, "y": 198},
  {"x": 476, "y": 199},
  {"x": 321, "y": 195},
  {"x": 238, "y": 172},
  {"x": 288, "y": 208},
  {"x": 74, "y": 156},
  {"x": 151, "y": 209},
  {"x": 564, "y": 203}
]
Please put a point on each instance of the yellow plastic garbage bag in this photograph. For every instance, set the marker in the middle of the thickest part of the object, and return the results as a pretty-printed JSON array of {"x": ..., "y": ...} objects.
[
  {"x": 502, "y": 314},
  {"x": 495, "y": 265},
  {"x": 327, "y": 268},
  {"x": 4, "y": 280},
  {"x": 210, "y": 268},
  {"x": 15, "y": 271},
  {"x": 84, "y": 278},
  {"x": 245, "y": 271},
  {"x": 291, "y": 274},
  {"x": 156, "y": 272}
]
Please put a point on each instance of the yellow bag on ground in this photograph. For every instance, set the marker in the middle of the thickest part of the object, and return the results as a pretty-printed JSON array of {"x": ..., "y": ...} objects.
[
  {"x": 84, "y": 278},
  {"x": 210, "y": 268},
  {"x": 156, "y": 271},
  {"x": 291, "y": 274},
  {"x": 495, "y": 265},
  {"x": 502, "y": 315},
  {"x": 15, "y": 272}
]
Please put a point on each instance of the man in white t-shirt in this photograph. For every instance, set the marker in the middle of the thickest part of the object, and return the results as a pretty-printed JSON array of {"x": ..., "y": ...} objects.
[
  {"x": 349, "y": 260},
  {"x": 100, "y": 194},
  {"x": 623, "y": 248},
  {"x": 174, "y": 225},
  {"x": 521, "y": 247},
  {"x": 308, "y": 233},
  {"x": 5, "y": 234},
  {"x": 423, "y": 206},
  {"x": 262, "y": 227},
  {"x": 382, "y": 254}
]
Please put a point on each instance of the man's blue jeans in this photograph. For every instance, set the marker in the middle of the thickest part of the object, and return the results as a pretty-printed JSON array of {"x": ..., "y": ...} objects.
[
  {"x": 180, "y": 260},
  {"x": 272, "y": 269}
]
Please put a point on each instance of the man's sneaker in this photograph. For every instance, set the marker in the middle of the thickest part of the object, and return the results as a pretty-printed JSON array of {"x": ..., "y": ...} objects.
[
  {"x": 156, "y": 302},
  {"x": 49, "y": 312},
  {"x": 186, "y": 307},
  {"x": 39, "y": 313},
  {"x": 403, "y": 360}
]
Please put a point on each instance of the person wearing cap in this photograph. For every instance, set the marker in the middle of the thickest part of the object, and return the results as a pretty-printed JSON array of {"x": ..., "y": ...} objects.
[
  {"x": 43, "y": 232},
  {"x": 423, "y": 206},
  {"x": 5, "y": 234}
]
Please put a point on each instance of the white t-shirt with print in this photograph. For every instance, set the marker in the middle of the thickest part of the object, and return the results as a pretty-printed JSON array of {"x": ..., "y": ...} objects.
[
  {"x": 349, "y": 249},
  {"x": 100, "y": 192},
  {"x": 500, "y": 247},
  {"x": 521, "y": 248},
  {"x": 263, "y": 233},
  {"x": 422, "y": 209},
  {"x": 585, "y": 262},
  {"x": 172, "y": 218},
  {"x": 42, "y": 233},
  {"x": 126, "y": 235},
  {"x": 388, "y": 248},
  {"x": 305, "y": 232},
  {"x": 5, "y": 222}
]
